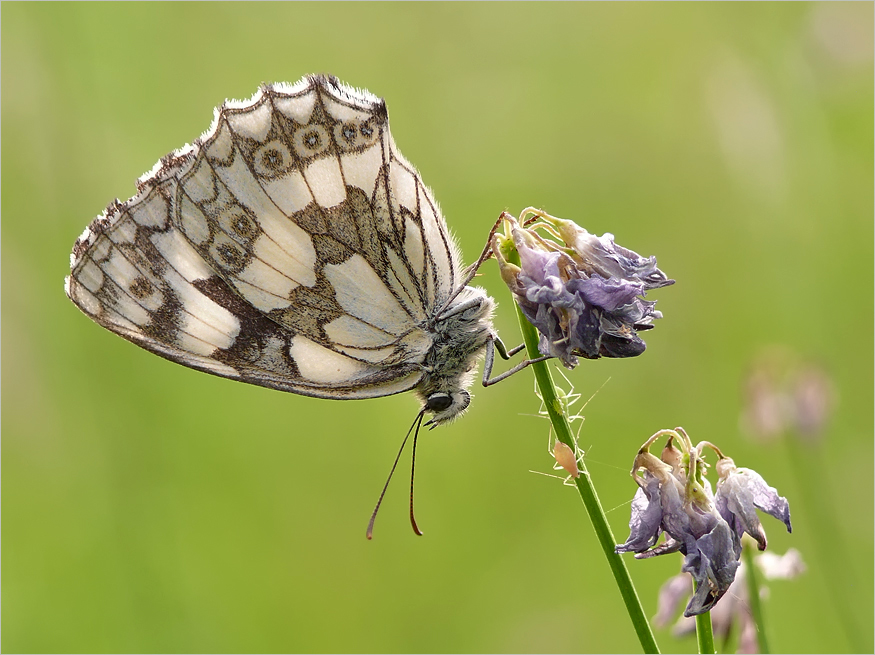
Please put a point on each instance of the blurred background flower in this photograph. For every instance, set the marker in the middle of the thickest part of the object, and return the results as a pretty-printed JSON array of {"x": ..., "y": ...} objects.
[
  {"x": 785, "y": 394},
  {"x": 731, "y": 618}
]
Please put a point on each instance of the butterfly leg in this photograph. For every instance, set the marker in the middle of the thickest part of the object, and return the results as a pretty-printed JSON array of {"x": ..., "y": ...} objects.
[
  {"x": 496, "y": 344},
  {"x": 509, "y": 353}
]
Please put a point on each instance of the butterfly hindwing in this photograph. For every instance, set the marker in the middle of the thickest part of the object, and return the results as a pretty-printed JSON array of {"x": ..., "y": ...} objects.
[
  {"x": 291, "y": 247},
  {"x": 133, "y": 273}
]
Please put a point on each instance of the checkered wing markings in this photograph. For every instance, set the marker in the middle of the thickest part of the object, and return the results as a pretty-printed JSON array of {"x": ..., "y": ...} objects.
[
  {"x": 280, "y": 209},
  {"x": 438, "y": 261},
  {"x": 291, "y": 247},
  {"x": 250, "y": 211},
  {"x": 122, "y": 278},
  {"x": 133, "y": 273}
]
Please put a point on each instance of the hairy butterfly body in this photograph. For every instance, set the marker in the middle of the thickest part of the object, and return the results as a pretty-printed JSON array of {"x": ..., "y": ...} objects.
[{"x": 292, "y": 247}]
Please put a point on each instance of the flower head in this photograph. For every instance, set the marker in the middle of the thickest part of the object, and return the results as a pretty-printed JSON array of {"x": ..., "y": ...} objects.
[
  {"x": 583, "y": 293},
  {"x": 671, "y": 502},
  {"x": 674, "y": 498}
]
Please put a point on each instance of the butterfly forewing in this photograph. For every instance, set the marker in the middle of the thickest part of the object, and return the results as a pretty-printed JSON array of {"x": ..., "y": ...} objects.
[{"x": 291, "y": 247}]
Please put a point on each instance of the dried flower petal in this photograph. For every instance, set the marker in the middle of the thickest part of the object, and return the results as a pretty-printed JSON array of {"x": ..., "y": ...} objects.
[
  {"x": 600, "y": 255},
  {"x": 740, "y": 492},
  {"x": 645, "y": 525},
  {"x": 713, "y": 565}
]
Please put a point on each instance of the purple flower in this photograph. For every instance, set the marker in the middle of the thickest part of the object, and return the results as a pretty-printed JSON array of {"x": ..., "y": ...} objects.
[
  {"x": 674, "y": 498},
  {"x": 583, "y": 293},
  {"x": 664, "y": 503},
  {"x": 601, "y": 256}
]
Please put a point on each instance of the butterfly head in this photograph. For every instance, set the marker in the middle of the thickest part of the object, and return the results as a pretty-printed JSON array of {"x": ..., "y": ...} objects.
[{"x": 445, "y": 406}]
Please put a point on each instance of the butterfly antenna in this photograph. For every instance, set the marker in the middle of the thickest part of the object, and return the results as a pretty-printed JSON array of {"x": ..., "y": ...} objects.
[
  {"x": 412, "y": 471},
  {"x": 416, "y": 422}
]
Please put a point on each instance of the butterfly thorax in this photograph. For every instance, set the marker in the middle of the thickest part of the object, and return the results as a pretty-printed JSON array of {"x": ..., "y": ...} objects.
[{"x": 460, "y": 334}]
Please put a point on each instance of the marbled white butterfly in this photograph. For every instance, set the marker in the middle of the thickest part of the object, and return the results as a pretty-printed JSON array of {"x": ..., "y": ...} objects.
[{"x": 292, "y": 247}]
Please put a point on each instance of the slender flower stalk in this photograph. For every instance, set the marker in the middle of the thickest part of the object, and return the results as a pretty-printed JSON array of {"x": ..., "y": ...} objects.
[
  {"x": 588, "y": 494},
  {"x": 705, "y": 633}
]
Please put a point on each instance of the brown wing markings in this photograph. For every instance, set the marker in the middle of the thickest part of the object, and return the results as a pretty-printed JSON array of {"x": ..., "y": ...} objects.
[
  {"x": 397, "y": 223},
  {"x": 151, "y": 257},
  {"x": 218, "y": 181},
  {"x": 164, "y": 320}
]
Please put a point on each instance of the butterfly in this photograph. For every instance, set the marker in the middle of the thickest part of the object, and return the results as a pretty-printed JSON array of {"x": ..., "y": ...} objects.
[{"x": 293, "y": 247}]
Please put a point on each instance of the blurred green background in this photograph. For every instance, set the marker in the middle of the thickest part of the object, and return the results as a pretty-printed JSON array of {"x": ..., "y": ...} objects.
[{"x": 147, "y": 507}]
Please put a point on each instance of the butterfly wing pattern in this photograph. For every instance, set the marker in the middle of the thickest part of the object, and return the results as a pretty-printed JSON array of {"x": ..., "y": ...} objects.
[{"x": 292, "y": 247}]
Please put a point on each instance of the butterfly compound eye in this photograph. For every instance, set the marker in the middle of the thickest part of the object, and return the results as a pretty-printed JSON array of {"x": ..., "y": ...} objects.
[{"x": 438, "y": 402}]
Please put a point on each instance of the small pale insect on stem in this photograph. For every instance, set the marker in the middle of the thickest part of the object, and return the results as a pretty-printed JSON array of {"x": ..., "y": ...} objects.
[
  {"x": 566, "y": 459},
  {"x": 417, "y": 422}
]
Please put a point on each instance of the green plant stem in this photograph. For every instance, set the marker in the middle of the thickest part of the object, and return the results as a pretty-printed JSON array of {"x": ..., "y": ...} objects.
[
  {"x": 704, "y": 633},
  {"x": 587, "y": 492},
  {"x": 753, "y": 592}
]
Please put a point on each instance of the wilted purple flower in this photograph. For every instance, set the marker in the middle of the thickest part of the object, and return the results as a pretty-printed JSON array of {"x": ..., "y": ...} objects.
[
  {"x": 685, "y": 513},
  {"x": 740, "y": 492},
  {"x": 585, "y": 294},
  {"x": 674, "y": 498}
]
